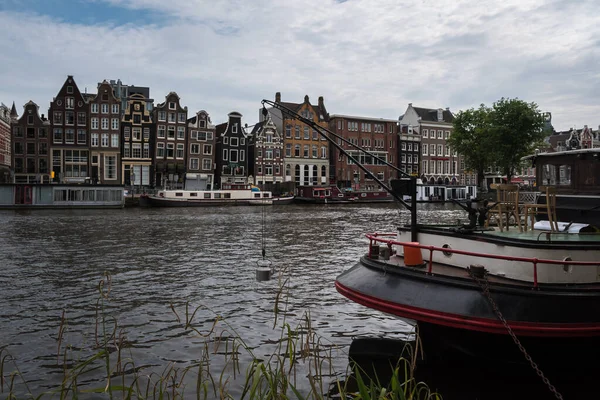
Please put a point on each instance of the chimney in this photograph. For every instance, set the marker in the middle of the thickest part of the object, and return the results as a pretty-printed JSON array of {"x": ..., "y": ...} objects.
[
  {"x": 410, "y": 104},
  {"x": 306, "y": 99},
  {"x": 447, "y": 108},
  {"x": 321, "y": 101},
  {"x": 278, "y": 97}
]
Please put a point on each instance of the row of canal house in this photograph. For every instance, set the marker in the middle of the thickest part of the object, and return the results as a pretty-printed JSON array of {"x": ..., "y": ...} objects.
[{"x": 119, "y": 136}]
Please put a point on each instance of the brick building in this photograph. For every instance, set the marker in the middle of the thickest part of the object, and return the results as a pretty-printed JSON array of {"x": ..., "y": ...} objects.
[
  {"x": 68, "y": 116},
  {"x": 105, "y": 135},
  {"x": 171, "y": 141},
  {"x": 200, "y": 152},
  {"x": 137, "y": 139},
  {"x": 376, "y": 135},
  {"x": 31, "y": 146},
  {"x": 5, "y": 144},
  {"x": 232, "y": 151},
  {"x": 268, "y": 154}
]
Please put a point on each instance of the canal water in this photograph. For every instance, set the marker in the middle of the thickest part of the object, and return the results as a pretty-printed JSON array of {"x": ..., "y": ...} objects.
[{"x": 159, "y": 260}]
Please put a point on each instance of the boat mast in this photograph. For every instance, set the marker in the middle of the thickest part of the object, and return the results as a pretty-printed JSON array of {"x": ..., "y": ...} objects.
[{"x": 324, "y": 132}]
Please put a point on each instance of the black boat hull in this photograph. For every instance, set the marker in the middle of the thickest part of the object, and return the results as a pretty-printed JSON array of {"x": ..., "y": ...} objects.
[{"x": 456, "y": 302}]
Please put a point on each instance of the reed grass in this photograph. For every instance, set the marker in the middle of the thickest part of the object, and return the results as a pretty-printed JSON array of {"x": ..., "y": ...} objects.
[{"x": 301, "y": 366}]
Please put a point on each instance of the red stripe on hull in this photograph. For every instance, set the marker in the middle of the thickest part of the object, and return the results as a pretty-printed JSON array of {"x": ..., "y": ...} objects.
[{"x": 468, "y": 323}]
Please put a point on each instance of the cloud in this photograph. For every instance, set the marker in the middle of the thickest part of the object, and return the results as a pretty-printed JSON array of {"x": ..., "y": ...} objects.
[{"x": 365, "y": 57}]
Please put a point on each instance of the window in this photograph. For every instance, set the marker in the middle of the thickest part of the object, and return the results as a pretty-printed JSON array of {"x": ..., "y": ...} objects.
[
  {"x": 403, "y": 145},
  {"x": 202, "y": 123},
  {"x": 81, "y": 136},
  {"x": 446, "y": 134},
  {"x": 180, "y": 150},
  {"x": 425, "y": 133},
  {"x": 30, "y": 133},
  {"x": 305, "y": 151},
  {"x": 146, "y": 134},
  {"x": 94, "y": 140},
  {"x": 226, "y": 140},
  {"x": 440, "y": 134},
  {"x": 297, "y": 132},
  {"x": 104, "y": 123},
  {"x": 58, "y": 117},
  {"x": 297, "y": 150},
  {"x": 170, "y": 150},
  {"x": 233, "y": 155},
  {"x": 181, "y": 132},
  {"x": 104, "y": 108},
  {"x": 233, "y": 142},
  {"x": 137, "y": 133},
  {"x": 207, "y": 149},
  {"x": 160, "y": 150},
  {"x": 440, "y": 150},
  {"x": 104, "y": 142},
  {"x": 194, "y": 163},
  {"x": 110, "y": 167},
  {"x": 424, "y": 163},
  {"x": 126, "y": 133},
  {"x": 323, "y": 152},
  {"x": 30, "y": 148},
  {"x": 137, "y": 119},
  {"x": 172, "y": 117},
  {"x": 425, "y": 149},
  {"x": 206, "y": 164},
  {"x": 69, "y": 103},
  {"x": 182, "y": 117},
  {"x": 146, "y": 150},
  {"x": 115, "y": 109},
  {"x": 432, "y": 149},
  {"x": 225, "y": 154},
  {"x": 194, "y": 148},
  {"x": 171, "y": 130},
  {"x": 114, "y": 140},
  {"x": 242, "y": 156},
  {"x": 136, "y": 150},
  {"x": 315, "y": 152},
  {"x": 172, "y": 105},
  {"x": 58, "y": 135},
  {"x": 43, "y": 149},
  {"x": 306, "y": 133},
  {"x": 288, "y": 150},
  {"x": 42, "y": 133},
  {"x": 126, "y": 151},
  {"x": 94, "y": 123},
  {"x": 161, "y": 132},
  {"x": 94, "y": 108},
  {"x": 114, "y": 124},
  {"x": 288, "y": 131},
  {"x": 81, "y": 118},
  {"x": 162, "y": 115},
  {"x": 18, "y": 148}
]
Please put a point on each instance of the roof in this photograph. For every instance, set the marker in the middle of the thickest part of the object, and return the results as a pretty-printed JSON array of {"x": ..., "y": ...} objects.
[
  {"x": 318, "y": 108},
  {"x": 257, "y": 128},
  {"x": 431, "y": 114},
  {"x": 362, "y": 118}
]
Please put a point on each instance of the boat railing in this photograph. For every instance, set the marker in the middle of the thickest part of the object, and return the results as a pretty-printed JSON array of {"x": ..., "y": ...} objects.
[{"x": 383, "y": 238}]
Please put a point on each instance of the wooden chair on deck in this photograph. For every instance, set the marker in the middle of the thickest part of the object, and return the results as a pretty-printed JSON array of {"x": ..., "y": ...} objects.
[
  {"x": 549, "y": 207},
  {"x": 507, "y": 205}
]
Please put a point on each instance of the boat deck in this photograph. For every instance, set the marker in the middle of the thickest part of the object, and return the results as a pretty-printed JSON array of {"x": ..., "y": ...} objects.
[{"x": 545, "y": 236}]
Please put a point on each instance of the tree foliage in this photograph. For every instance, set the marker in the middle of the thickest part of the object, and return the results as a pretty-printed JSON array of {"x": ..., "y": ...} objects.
[
  {"x": 471, "y": 139},
  {"x": 497, "y": 136}
]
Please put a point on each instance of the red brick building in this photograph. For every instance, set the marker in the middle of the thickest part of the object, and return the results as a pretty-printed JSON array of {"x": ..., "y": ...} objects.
[
  {"x": 5, "y": 144},
  {"x": 376, "y": 135},
  {"x": 201, "y": 151}
]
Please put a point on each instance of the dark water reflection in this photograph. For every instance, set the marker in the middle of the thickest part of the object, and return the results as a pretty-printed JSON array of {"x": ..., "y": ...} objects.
[{"x": 53, "y": 261}]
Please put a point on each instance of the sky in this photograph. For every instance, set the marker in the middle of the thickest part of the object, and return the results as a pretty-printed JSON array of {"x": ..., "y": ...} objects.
[{"x": 365, "y": 57}]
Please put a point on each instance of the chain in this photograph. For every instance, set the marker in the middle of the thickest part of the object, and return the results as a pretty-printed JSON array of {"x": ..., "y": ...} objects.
[{"x": 486, "y": 291}]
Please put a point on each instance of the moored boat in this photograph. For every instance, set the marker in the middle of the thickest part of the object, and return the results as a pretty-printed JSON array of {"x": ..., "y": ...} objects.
[
  {"x": 59, "y": 196},
  {"x": 230, "y": 194}
]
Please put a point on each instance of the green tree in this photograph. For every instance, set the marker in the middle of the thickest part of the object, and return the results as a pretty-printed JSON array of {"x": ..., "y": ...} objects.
[
  {"x": 471, "y": 138},
  {"x": 516, "y": 128}
]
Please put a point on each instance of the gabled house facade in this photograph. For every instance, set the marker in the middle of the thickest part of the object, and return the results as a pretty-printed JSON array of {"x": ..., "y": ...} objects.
[
  {"x": 268, "y": 166},
  {"x": 306, "y": 153},
  {"x": 70, "y": 149},
  {"x": 232, "y": 151},
  {"x": 5, "y": 144},
  {"x": 376, "y": 135},
  {"x": 105, "y": 135},
  {"x": 200, "y": 152},
  {"x": 171, "y": 141},
  {"x": 137, "y": 141},
  {"x": 439, "y": 164},
  {"x": 31, "y": 146}
]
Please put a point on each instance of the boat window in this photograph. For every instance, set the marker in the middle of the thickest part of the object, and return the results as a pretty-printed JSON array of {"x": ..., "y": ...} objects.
[
  {"x": 217, "y": 195},
  {"x": 257, "y": 195},
  {"x": 207, "y": 195},
  {"x": 179, "y": 194},
  {"x": 564, "y": 175},
  {"x": 193, "y": 194},
  {"x": 60, "y": 195},
  {"x": 266, "y": 194},
  {"x": 226, "y": 195}
]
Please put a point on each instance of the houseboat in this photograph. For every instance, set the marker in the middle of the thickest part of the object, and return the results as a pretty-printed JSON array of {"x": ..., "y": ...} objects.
[
  {"x": 331, "y": 194},
  {"x": 49, "y": 195},
  {"x": 436, "y": 193},
  {"x": 239, "y": 194},
  {"x": 575, "y": 177}
]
